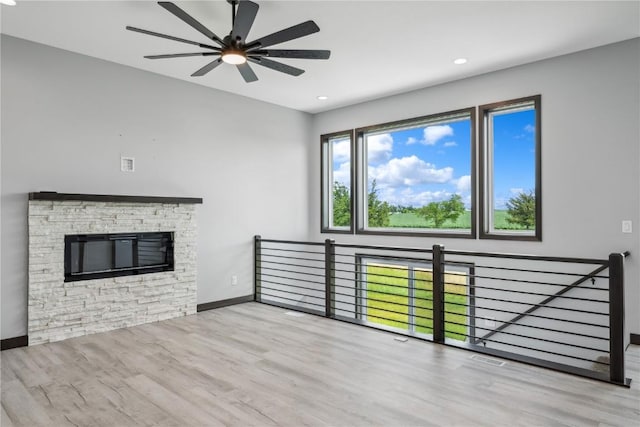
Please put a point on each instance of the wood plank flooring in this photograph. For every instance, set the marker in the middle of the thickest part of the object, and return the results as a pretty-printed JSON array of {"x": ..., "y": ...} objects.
[{"x": 255, "y": 365}]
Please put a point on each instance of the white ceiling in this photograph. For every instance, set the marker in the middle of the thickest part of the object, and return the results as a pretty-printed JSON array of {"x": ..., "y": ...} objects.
[{"x": 378, "y": 48}]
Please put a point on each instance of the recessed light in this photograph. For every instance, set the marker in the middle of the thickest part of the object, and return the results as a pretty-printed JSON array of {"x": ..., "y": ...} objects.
[
  {"x": 8, "y": 2},
  {"x": 460, "y": 61},
  {"x": 322, "y": 98}
]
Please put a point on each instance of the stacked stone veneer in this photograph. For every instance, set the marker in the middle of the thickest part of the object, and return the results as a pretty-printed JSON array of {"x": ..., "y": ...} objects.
[{"x": 59, "y": 310}]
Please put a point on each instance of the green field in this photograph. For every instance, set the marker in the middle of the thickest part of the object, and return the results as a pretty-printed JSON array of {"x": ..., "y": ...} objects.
[
  {"x": 388, "y": 299},
  {"x": 411, "y": 220}
]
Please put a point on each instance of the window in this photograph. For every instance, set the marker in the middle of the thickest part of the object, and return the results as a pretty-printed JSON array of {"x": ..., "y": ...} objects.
[
  {"x": 510, "y": 161},
  {"x": 336, "y": 203},
  {"x": 417, "y": 176},
  {"x": 399, "y": 294}
]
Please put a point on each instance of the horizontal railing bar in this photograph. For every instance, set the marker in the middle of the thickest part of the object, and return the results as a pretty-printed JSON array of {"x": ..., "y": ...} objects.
[
  {"x": 383, "y": 293},
  {"x": 292, "y": 265},
  {"x": 526, "y": 293},
  {"x": 505, "y": 279},
  {"x": 293, "y": 293},
  {"x": 306, "y": 310},
  {"x": 574, "y": 287},
  {"x": 374, "y": 257},
  {"x": 524, "y": 347},
  {"x": 451, "y": 322},
  {"x": 527, "y": 326},
  {"x": 293, "y": 286},
  {"x": 382, "y": 309},
  {"x": 292, "y": 242},
  {"x": 291, "y": 271},
  {"x": 568, "y": 260},
  {"x": 536, "y": 349},
  {"x": 383, "y": 248},
  {"x": 292, "y": 278},
  {"x": 384, "y": 301},
  {"x": 379, "y": 283},
  {"x": 384, "y": 318},
  {"x": 291, "y": 257},
  {"x": 490, "y": 267},
  {"x": 292, "y": 250},
  {"x": 346, "y": 263},
  {"x": 356, "y": 281},
  {"x": 291, "y": 299},
  {"x": 575, "y": 310},
  {"x": 577, "y": 322}
]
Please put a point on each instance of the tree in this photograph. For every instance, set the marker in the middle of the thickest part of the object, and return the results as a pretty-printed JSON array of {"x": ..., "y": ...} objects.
[
  {"x": 378, "y": 211},
  {"x": 439, "y": 212},
  {"x": 521, "y": 210},
  {"x": 341, "y": 205}
]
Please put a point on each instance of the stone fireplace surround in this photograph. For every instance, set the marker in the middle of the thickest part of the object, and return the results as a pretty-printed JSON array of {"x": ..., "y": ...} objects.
[{"x": 59, "y": 310}]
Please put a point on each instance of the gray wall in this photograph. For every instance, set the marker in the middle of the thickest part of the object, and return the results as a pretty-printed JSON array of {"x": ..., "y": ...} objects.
[
  {"x": 590, "y": 152},
  {"x": 67, "y": 118}
]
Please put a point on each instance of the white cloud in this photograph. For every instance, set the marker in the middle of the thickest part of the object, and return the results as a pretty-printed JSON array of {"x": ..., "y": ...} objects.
[
  {"x": 411, "y": 140},
  {"x": 463, "y": 184},
  {"x": 450, "y": 144},
  {"x": 516, "y": 191},
  {"x": 342, "y": 151},
  {"x": 379, "y": 147},
  {"x": 433, "y": 134},
  {"x": 343, "y": 174},
  {"x": 530, "y": 128},
  {"x": 409, "y": 171},
  {"x": 408, "y": 197}
]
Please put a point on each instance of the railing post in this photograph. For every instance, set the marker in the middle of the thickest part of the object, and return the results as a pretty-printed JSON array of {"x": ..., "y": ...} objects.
[
  {"x": 616, "y": 318},
  {"x": 257, "y": 266},
  {"x": 329, "y": 277},
  {"x": 437, "y": 278}
]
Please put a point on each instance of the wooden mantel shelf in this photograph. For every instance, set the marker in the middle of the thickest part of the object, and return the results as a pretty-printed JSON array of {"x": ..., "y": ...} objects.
[{"x": 111, "y": 198}]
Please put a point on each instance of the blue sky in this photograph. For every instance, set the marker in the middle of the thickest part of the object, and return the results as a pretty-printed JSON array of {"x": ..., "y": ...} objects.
[
  {"x": 414, "y": 167},
  {"x": 514, "y": 155}
]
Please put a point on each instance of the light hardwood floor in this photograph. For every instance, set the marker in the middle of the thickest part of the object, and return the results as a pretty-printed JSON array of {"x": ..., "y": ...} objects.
[{"x": 253, "y": 364}]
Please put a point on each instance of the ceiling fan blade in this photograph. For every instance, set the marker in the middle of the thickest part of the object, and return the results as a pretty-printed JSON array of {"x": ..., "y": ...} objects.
[
  {"x": 247, "y": 11},
  {"x": 247, "y": 73},
  {"x": 294, "y": 54},
  {"x": 190, "y": 20},
  {"x": 177, "y": 39},
  {"x": 297, "y": 31},
  {"x": 210, "y": 66},
  {"x": 181, "y": 55},
  {"x": 278, "y": 66}
]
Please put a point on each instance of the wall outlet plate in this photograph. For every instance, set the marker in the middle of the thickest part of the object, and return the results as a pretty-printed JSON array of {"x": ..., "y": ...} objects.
[
  {"x": 627, "y": 226},
  {"x": 234, "y": 280},
  {"x": 127, "y": 164}
]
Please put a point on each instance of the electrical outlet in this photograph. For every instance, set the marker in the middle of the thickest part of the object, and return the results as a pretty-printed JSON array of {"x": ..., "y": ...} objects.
[
  {"x": 490, "y": 322},
  {"x": 627, "y": 226},
  {"x": 127, "y": 164},
  {"x": 234, "y": 280}
]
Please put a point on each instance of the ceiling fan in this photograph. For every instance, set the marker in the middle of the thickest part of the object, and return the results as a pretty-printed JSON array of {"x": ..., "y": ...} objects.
[{"x": 234, "y": 48}]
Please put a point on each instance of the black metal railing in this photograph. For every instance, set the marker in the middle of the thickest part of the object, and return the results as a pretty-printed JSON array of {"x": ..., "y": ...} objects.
[{"x": 558, "y": 312}]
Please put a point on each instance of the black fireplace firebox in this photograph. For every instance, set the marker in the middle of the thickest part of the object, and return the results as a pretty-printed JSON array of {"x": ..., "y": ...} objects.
[{"x": 96, "y": 256}]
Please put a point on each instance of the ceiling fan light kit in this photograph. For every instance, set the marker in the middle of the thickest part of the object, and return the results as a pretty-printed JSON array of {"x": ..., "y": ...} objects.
[{"x": 234, "y": 48}]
